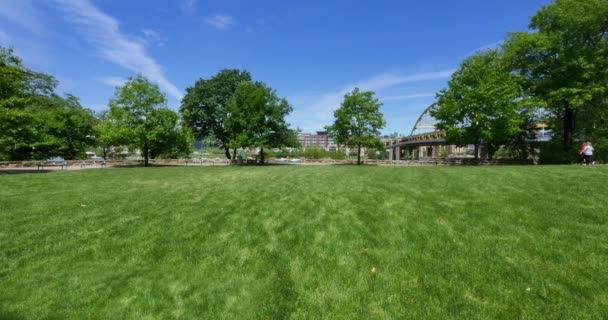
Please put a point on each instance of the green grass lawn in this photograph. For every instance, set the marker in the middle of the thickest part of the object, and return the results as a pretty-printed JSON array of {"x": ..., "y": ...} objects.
[{"x": 300, "y": 242}]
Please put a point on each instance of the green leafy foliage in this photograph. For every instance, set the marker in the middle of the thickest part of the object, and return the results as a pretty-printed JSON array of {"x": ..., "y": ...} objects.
[
  {"x": 565, "y": 59},
  {"x": 257, "y": 118},
  {"x": 484, "y": 104},
  {"x": 167, "y": 139},
  {"x": 358, "y": 121},
  {"x": 36, "y": 123},
  {"x": 204, "y": 107},
  {"x": 138, "y": 117},
  {"x": 69, "y": 128}
]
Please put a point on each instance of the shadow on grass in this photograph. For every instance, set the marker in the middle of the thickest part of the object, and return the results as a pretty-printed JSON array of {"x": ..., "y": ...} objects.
[
  {"x": 6, "y": 315},
  {"x": 18, "y": 171},
  {"x": 279, "y": 301}
]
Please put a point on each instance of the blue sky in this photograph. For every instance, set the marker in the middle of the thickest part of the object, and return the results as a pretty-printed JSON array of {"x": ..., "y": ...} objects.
[{"x": 311, "y": 52}]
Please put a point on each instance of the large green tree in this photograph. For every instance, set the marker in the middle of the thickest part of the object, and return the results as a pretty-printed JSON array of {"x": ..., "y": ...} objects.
[
  {"x": 484, "y": 104},
  {"x": 34, "y": 121},
  {"x": 358, "y": 121},
  {"x": 19, "y": 124},
  {"x": 257, "y": 118},
  {"x": 169, "y": 140},
  {"x": 105, "y": 137},
  {"x": 138, "y": 117},
  {"x": 69, "y": 128},
  {"x": 565, "y": 58},
  {"x": 204, "y": 107}
]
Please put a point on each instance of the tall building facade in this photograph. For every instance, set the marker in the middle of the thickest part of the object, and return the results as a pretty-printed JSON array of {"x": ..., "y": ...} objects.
[{"x": 320, "y": 140}]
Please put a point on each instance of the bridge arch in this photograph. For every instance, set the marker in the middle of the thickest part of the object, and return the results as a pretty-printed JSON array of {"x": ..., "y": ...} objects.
[
  {"x": 424, "y": 139},
  {"x": 425, "y": 123}
]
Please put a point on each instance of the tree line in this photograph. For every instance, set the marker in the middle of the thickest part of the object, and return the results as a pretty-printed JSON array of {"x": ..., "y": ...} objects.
[
  {"x": 230, "y": 108},
  {"x": 36, "y": 122},
  {"x": 556, "y": 74}
]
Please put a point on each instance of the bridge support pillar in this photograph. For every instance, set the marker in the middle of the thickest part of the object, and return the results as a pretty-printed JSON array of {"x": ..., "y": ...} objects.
[{"x": 398, "y": 153}]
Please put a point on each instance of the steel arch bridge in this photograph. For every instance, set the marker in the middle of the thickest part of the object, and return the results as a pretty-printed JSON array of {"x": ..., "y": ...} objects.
[
  {"x": 423, "y": 134},
  {"x": 426, "y": 141},
  {"x": 425, "y": 123}
]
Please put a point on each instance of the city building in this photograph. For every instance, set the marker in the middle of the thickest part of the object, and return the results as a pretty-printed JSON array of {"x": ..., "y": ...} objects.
[{"x": 320, "y": 140}]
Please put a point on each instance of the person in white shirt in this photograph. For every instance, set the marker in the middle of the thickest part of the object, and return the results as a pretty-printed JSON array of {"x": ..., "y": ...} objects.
[{"x": 588, "y": 153}]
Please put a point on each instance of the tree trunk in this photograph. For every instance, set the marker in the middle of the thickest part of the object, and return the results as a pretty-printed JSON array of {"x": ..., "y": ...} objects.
[
  {"x": 568, "y": 127},
  {"x": 227, "y": 152},
  {"x": 359, "y": 154},
  {"x": 490, "y": 151},
  {"x": 261, "y": 156},
  {"x": 146, "y": 154},
  {"x": 476, "y": 151}
]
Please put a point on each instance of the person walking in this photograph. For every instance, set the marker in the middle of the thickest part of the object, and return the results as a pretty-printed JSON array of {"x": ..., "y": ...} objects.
[
  {"x": 588, "y": 153},
  {"x": 581, "y": 151}
]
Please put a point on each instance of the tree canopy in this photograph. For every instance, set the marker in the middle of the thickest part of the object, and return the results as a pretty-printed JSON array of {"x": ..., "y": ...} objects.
[
  {"x": 358, "y": 121},
  {"x": 138, "y": 117},
  {"x": 565, "y": 59},
  {"x": 559, "y": 68},
  {"x": 204, "y": 108},
  {"x": 35, "y": 122},
  {"x": 484, "y": 104},
  {"x": 257, "y": 118}
]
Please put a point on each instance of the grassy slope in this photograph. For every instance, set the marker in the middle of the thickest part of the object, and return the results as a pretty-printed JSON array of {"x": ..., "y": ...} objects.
[{"x": 299, "y": 242}]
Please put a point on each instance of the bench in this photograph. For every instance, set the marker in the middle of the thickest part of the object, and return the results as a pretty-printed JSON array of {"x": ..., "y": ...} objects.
[
  {"x": 101, "y": 163},
  {"x": 83, "y": 164},
  {"x": 52, "y": 163},
  {"x": 195, "y": 161}
]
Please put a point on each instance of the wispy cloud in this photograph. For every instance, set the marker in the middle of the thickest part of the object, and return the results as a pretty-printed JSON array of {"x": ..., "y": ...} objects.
[
  {"x": 113, "y": 81},
  {"x": 103, "y": 32},
  {"x": 311, "y": 113},
  {"x": 153, "y": 37},
  {"x": 388, "y": 79},
  {"x": 408, "y": 96},
  {"x": 187, "y": 6},
  {"x": 23, "y": 14},
  {"x": 150, "y": 34},
  {"x": 493, "y": 45},
  {"x": 220, "y": 22}
]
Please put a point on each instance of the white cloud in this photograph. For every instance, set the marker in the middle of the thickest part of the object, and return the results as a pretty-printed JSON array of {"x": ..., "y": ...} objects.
[
  {"x": 312, "y": 113},
  {"x": 489, "y": 46},
  {"x": 103, "y": 32},
  {"x": 221, "y": 22},
  {"x": 23, "y": 14},
  {"x": 187, "y": 6},
  {"x": 113, "y": 81},
  {"x": 408, "y": 96},
  {"x": 388, "y": 80},
  {"x": 151, "y": 34},
  {"x": 153, "y": 37}
]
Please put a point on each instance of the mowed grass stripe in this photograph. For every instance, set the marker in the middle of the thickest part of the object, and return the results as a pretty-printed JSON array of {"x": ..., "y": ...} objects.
[{"x": 300, "y": 242}]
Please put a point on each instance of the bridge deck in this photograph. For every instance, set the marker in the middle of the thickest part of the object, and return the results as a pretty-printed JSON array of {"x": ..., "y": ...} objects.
[{"x": 423, "y": 139}]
